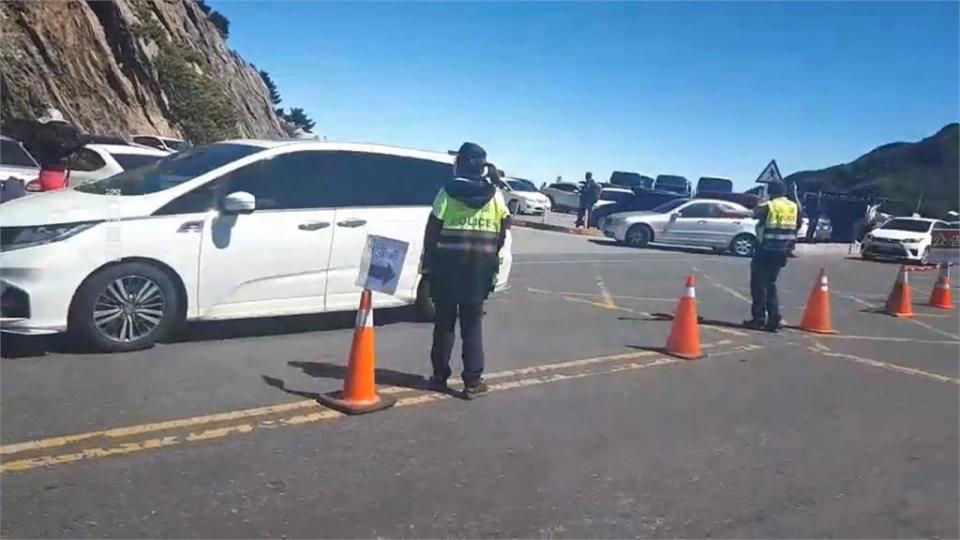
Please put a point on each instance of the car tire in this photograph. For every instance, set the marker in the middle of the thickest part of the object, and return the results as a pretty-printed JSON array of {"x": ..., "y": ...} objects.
[
  {"x": 425, "y": 309},
  {"x": 865, "y": 255},
  {"x": 514, "y": 207},
  {"x": 149, "y": 318},
  {"x": 743, "y": 245},
  {"x": 638, "y": 235}
]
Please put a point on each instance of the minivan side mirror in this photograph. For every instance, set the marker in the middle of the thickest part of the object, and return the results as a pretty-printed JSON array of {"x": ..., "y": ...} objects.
[
  {"x": 674, "y": 216},
  {"x": 239, "y": 202}
]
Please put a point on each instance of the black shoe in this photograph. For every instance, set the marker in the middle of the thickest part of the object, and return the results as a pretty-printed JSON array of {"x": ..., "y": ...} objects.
[
  {"x": 474, "y": 388},
  {"x": 754, "y": 324},
  {"x": 437, "y": 384},
  {"x": 772, "y": 326}
]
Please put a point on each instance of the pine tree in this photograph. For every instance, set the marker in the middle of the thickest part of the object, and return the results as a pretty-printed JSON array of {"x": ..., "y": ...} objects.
[{"x": 297, "y": 117}]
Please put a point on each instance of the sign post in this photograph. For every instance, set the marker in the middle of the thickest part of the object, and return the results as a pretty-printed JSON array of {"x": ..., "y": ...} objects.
[{"x": 382, "y": 264}]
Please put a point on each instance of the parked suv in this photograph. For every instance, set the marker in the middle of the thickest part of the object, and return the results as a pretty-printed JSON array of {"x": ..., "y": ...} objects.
[
  {"x": 673, "y": 184},
  {"x": 229, "y": 230}
]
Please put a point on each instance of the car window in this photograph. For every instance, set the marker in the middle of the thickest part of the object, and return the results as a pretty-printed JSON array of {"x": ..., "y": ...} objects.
[
  {"x": 730, "y": 210},
  {"x": 152, "y": 142},
  {"x": 324, "y": 180},
  {"x": 284, "y": 182},
  {"x": 365, "y": 179},
  {"x": 132, "y": 161},
  {"x": 171, "y": 171},
  {"x": 700, "y": 210},
  {"x": 85, "y": 159},
  {"x": 14, "y": 155}
]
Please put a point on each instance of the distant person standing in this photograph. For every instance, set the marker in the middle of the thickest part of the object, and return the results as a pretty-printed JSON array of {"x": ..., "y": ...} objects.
[
  {"x": 464, "y": 235},
  {"x": 589, "y": 194},
  {"x": 777, "y": 223}
]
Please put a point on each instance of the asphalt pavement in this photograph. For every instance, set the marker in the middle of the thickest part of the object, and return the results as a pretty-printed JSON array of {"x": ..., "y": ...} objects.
[{"x": 589, "y": 431}]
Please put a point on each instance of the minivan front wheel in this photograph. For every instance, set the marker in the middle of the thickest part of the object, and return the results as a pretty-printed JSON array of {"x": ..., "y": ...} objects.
[{"x": 124, "y": 307}]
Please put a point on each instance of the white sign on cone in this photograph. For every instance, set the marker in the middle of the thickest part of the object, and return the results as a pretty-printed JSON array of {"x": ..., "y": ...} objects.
[
  {"x": 770, "y": 174},
  {"x": 382, "y": 264}
]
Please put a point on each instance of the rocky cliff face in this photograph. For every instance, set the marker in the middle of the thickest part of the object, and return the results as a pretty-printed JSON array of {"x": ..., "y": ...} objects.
[{"x": 129, "y": 66}]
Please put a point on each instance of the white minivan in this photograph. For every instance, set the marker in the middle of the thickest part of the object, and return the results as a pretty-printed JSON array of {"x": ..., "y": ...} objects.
[{"x": 229, "y": 230}]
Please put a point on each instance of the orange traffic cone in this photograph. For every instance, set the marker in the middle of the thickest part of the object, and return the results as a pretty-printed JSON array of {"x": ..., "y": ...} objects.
[
  {"x": 816, "y": 317},
  {"x": 359, "y": 394},
  {"x": 898, "y": 303},
  {"x": 684, "y": 340},
  {"x": 941, "y": 297}
]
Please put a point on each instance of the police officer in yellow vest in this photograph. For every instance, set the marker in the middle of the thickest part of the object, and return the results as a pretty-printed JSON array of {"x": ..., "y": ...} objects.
[
  {"x": 778, "y": 221},
  {"x": 461, "y": 247}
]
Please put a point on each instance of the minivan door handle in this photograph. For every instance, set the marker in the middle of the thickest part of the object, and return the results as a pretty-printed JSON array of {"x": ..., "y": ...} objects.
[
  {"x": 313, "y": 225},
  {"x": 352, "y": 223},
  {"x": 190, "y": 227}
]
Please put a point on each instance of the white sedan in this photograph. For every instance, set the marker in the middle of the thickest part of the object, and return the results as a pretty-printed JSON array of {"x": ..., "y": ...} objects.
[
  {"x": 97, "y": 161},
  {"x": 523, "y": 198},
  {"x": 720, "y": 225},
  {"x": 900, "y": 238}
]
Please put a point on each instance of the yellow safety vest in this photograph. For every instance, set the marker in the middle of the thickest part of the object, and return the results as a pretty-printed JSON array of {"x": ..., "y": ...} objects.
[
  {"x": 780, "y": 227},
  {"x": 466, "y": 229}
]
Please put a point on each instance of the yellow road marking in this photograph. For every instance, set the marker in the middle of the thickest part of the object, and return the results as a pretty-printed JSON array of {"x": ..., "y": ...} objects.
[
  {"x": 888, "y": 338},
  {"x": 891, "y": 367},
  {"x": 127, "y": 431},
  {"x": 326, "y": 414},
  {"x": 821, "y": 349}
]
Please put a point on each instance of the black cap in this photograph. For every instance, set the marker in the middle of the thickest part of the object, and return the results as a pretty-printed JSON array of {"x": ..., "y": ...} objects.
[
  {"x": 472, "y": 151},
  {"x": 471, "y": 159}
]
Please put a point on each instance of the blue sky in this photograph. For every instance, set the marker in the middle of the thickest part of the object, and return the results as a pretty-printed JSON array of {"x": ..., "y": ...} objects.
[{"x": 696, "y": 88}]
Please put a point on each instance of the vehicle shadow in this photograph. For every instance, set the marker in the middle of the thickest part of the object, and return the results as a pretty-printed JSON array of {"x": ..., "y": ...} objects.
[
  {"x": 17, "y": 346},
  {"x": 657, "y": 247},
  {"x": 293, "y": 324}
]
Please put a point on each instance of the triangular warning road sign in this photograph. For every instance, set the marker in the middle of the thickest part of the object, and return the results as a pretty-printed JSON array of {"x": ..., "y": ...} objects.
[{"x": 770, "y": 174}]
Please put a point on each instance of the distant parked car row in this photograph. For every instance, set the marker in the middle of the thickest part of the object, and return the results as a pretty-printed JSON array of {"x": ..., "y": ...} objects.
[{"x": 101, "y": 158}]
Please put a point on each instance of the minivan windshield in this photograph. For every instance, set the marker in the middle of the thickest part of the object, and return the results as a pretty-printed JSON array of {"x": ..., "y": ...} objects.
[
  {"x": 911, "y": 225},
  {"x": 170, "y": 171}
]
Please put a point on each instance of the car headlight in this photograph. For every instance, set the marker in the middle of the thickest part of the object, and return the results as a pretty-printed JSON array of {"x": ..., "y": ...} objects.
[{"x": 12, "y": 238}]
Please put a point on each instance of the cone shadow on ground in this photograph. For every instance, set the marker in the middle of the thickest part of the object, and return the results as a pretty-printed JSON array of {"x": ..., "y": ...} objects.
[
  {"x": 384, "y": 376},
  {"x": 700, "y": 320}
]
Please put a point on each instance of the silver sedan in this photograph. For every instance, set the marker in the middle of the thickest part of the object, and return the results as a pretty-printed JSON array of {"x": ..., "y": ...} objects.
[{"x": 709, "y": 223}]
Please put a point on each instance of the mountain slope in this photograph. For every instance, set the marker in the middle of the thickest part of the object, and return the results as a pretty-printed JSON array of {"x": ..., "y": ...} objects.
[
  {"x": 906, "y": 171},
  {"x": 129, "y": 66}
]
